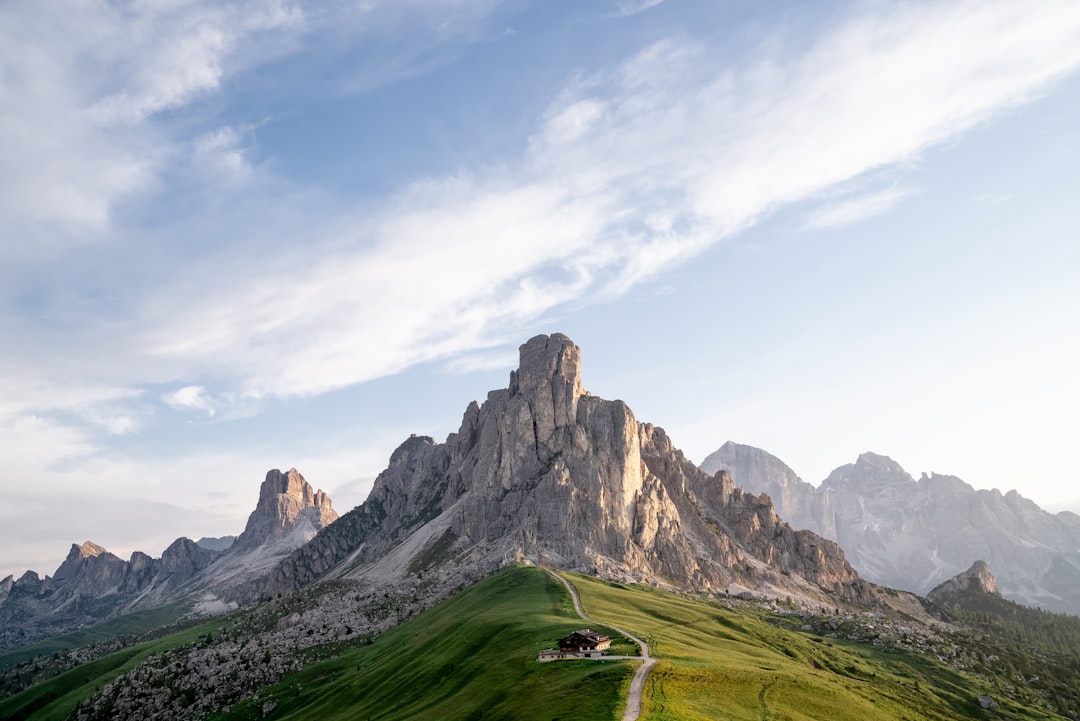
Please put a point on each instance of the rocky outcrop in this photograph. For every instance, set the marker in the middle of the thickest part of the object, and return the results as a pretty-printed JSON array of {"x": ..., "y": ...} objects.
[
  {"x": 543, "y": 471},
  {"x": 975, "y": 580},
  {"x": 90, "y": 570},
  {"x": 914, "y": 534},
  {"x": 287, "y": 505}
]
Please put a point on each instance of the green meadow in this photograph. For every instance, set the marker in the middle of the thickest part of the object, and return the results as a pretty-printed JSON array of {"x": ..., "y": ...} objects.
[
  {"x": 56, "y": 698},
  {"x": 733, "y": 664},
  {"x": 473, "y": 657},
  {"x": 138, "y": 622}
]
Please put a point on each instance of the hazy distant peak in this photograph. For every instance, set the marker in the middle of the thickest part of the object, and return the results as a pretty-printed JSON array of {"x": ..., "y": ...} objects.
[
  {"x": 741, "y": 461},
  {"x": 869, "y": 459},
  {"x": 216, "y": 543},
  {"x": 870, "y": 470},
  {"x": 940, "y": 484}
]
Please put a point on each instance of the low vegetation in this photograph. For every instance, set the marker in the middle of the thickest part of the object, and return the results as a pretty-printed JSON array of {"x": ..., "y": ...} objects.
[
  {"x": 734, "y": 660},
  {"x": 473, "y": 656},
  {"x": 1031, "y": 654}
]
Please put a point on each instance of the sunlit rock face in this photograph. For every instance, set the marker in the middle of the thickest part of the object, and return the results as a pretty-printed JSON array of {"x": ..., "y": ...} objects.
[
  {"x": 286, "y": 503},
  {"x": 914, "y": 534},
  {"x": 976, "y": 580},
  {"x": 545, "y": 472}
]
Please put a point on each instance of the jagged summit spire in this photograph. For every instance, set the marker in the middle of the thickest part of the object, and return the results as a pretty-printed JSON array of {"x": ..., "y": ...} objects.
[
  {"x": 549, "y": 378},
  {"x": 286, "y": 501},
  {"x": 546, "y": 358}
]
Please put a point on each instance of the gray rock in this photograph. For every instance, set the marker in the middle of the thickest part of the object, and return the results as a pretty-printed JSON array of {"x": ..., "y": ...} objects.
[
  {"x": 286, "y": 501},
  {"x": 545, "y": 472},
  {"x": 975, "y": 580},
  {"x": 92, "y": 585},
  {"x": 915, "y": 534}
]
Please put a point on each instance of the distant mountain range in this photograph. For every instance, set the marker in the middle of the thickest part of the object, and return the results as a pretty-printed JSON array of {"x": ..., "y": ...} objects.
[
  {"x": 914, "y": 534},
  {"x": 543, "y": 472},
  {"x": 92, "y": 584}
]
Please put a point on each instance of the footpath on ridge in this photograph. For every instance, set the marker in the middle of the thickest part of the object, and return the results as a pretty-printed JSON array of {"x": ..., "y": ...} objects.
[{"x": 633, "y": 698}]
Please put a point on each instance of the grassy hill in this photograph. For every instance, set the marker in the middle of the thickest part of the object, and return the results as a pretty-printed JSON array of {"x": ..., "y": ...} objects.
[
  {"x": 137, "y": 622},
  {"x": 473, "y": 657},
  {"x": 54, "y": 700},
  {"x": 718, "y": 663}
]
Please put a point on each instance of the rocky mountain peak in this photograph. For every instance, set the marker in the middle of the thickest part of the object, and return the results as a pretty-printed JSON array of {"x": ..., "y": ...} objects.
[
  {"x": 88, "y": 549},
  {"x": 547, "y": 359},
  {"x": 548, "y": 378},
  {"x": 941, "y": 485},
  {"x": 287, "y": 502},
  {"x": 545, "y": 472},
  {"x": 870, "y": 471},
  {"x": 759, "y": 471},
  {"x": 975, "y": 580},
  {"x": 749, "y": 466},
  {"x": 82, "y": 557}
]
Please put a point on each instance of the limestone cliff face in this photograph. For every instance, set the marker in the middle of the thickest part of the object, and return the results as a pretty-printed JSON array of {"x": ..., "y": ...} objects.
[
  {"x": 287, "y": 504},
  {"x": 975, "y": 580},
  {"x": 544, "y": 471},
  {"x": 914, "y": 534}
]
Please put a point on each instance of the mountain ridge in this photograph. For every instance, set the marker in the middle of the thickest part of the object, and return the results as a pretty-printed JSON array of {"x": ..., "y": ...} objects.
[
  {"x": 545, "y": 472},
  {"x": 92, "y": 584},
  {"x": 914, "y": 534}
]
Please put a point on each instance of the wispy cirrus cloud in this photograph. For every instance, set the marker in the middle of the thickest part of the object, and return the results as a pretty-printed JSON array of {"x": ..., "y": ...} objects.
[
  {"x": 632, "y": 170},
  {"x": 190, "y": 398},
  {"x": 256, "y": 284},
  {"x": 633, "y": 7},
  {"x": 81, "y": 82},
  {"x": 853, "y": 210}
]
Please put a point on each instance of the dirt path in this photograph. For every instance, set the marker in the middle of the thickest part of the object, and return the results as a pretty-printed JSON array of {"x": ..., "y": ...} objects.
[{"x": 633, "y": 698}]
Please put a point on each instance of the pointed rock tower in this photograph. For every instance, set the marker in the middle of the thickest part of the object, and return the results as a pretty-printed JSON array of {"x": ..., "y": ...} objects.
[
  {"x": 288, "y": 506},
  {"x": 544, "y": 472}
]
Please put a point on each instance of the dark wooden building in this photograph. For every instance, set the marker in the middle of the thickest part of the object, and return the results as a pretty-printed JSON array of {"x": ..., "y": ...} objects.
[{"x": 584, "y": 641}]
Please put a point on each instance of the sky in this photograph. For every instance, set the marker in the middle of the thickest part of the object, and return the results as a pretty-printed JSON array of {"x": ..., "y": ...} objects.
[{"x": 241, "y": 235}]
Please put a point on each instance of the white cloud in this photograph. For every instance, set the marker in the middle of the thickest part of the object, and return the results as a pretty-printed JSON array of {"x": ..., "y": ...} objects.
[
  {"x": 81, "y": 82},
  {"x": 856, "y": 209},
  {"x": 224, "y": 152},
  {"x": 190, "y": 398},
  {"x": 631, "y": 172},
  {"x": 633, "y": 7},
  {"x": 464, "y": 363}
]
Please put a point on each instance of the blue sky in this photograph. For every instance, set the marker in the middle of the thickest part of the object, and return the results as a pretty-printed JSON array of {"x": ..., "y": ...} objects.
[{"x": 247, "y": 235}]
